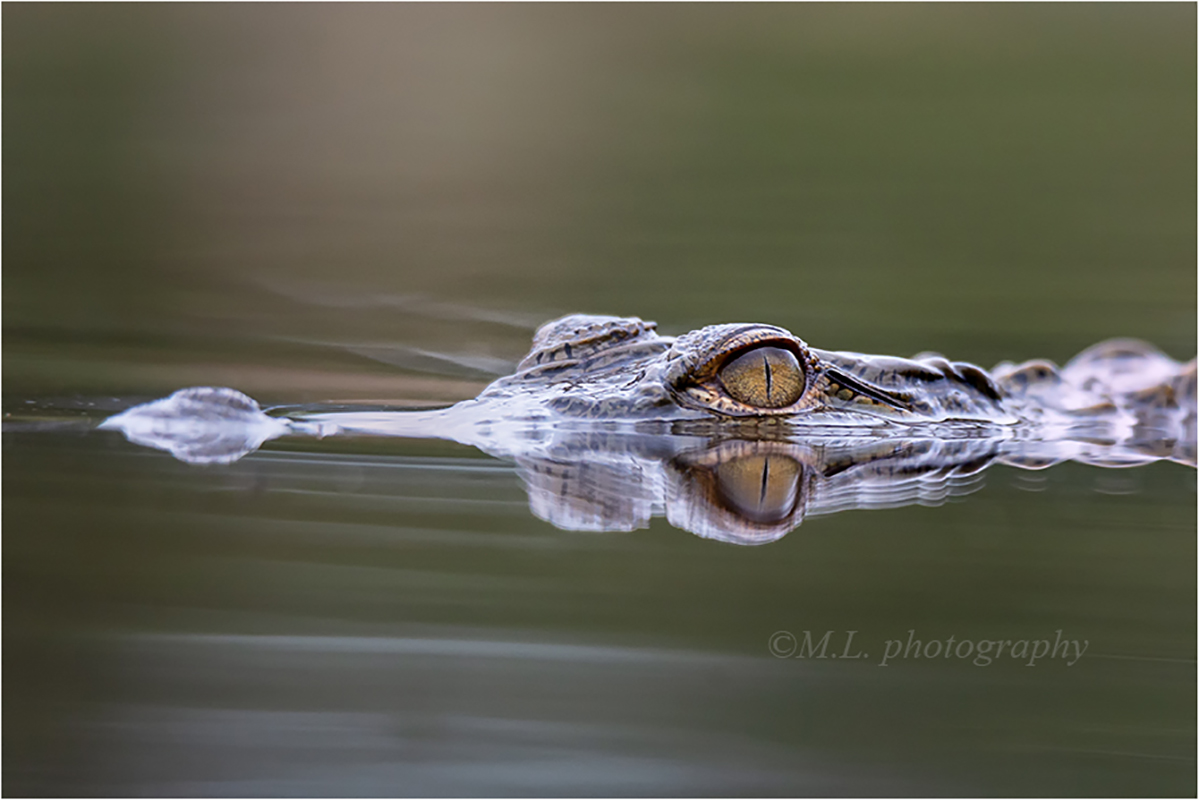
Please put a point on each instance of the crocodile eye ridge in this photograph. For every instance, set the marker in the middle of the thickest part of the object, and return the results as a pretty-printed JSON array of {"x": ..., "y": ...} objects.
[{"x": 764, "y": 377}]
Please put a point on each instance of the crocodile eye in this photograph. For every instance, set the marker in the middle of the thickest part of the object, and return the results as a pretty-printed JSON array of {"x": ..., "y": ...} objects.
[
  {"x": 761, "y": 488},
  {"x": 765, "y": 377}
]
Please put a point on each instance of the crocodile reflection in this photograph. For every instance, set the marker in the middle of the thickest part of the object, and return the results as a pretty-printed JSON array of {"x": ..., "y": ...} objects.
[
  {"x": 753, "y": 488},
  {"x": 737, "y": 432},
  {"x": 743, "y": 491}
]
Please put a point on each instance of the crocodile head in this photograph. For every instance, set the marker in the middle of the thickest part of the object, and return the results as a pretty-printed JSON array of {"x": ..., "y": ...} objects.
[{"x": 615, "y": 368}]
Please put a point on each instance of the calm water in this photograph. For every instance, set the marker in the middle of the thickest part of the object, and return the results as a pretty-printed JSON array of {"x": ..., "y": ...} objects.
[{"x": 379, "y": 204}]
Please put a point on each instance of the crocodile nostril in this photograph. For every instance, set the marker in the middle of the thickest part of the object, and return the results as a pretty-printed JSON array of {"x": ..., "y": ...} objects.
[
  {"x": 762, "y": 488},
  {"x": 766, "y": 377}
]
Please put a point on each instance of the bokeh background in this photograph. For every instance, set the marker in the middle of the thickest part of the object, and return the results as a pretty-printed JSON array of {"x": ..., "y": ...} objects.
[
  {"x": 380, "y": 202},
  {"x": 191, "y": 185}
]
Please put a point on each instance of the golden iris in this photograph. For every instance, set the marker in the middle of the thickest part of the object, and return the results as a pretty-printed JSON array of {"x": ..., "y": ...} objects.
[
  {"x": 765, "y": 377},
  {"x": 761, "y": 488}
]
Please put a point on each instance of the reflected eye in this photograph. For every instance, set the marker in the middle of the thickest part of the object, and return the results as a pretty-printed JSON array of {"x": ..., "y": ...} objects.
[
  {"x": 761, "y": 488},
  {"x": 766, "y": 377}
]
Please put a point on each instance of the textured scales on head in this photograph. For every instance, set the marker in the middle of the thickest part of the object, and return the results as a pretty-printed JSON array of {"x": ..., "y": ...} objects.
[
  {"x": 578, "y": 337},
  {"x": 612, "y": 368}
]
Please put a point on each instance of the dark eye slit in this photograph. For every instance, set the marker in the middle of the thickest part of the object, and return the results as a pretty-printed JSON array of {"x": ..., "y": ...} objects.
[
  {"x": 766, "y": 365},
  {"x": 765, "y": 480}
]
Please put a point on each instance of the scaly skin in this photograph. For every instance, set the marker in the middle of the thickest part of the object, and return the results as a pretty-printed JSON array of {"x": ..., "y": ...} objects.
[{"x": 613, "y": 368}]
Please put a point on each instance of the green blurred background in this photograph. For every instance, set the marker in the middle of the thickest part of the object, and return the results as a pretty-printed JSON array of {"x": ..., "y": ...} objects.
[
  {"x": 185, "y": 184},
  {"x": 296, "y": 199}
]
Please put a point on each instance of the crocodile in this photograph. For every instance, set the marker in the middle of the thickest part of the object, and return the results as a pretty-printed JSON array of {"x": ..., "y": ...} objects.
[
  {"x": 738, "y": 431},
  {"x": 609, "y": 372}
]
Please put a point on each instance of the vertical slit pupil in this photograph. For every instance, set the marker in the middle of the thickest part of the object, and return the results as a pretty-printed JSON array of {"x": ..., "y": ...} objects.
[
  {"x": 766, "y": 377},
  {"x": 765, "y": 478}
]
